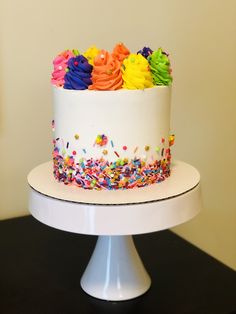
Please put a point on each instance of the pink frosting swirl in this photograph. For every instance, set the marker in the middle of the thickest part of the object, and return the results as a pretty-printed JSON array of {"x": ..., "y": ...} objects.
[{"x": 60, "y": 66}]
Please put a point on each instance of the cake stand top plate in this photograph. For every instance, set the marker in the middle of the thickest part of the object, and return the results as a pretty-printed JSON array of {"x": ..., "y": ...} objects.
[
  {"x": 184, "y": 177},
  {"x": 120, "y": 212}
]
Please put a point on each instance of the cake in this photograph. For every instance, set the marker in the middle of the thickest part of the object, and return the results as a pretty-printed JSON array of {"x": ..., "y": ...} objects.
[{"x": 111, "y": 121}]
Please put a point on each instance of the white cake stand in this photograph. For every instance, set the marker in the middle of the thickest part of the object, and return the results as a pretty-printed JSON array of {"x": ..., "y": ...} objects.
[{"x": 115, "y": 271}]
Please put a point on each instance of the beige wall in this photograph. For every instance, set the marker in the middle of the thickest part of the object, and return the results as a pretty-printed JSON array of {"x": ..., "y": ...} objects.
[{"x": 200, "y": 36}]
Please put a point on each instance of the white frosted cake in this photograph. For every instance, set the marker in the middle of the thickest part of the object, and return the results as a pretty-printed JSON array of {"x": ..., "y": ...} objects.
[{"x": 110, "y": 135}]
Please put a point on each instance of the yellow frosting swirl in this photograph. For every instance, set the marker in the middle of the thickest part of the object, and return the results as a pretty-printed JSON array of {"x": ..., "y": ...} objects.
[
  {"x": 91, "y": 54},
  {"x": 136, "y": 72}
]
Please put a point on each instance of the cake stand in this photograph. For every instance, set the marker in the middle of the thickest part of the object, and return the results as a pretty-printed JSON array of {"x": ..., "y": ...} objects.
[{"x": 115, "y": 271}]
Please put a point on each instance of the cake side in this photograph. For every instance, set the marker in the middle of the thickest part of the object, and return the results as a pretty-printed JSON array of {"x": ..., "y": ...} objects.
[
  {"x": 111, "y": 139},
  {"x": 111, "y": 117}
]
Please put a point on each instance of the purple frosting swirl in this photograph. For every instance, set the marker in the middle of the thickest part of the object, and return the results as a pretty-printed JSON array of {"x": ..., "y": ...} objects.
[
  {"x": 145, "y": 52},
  {"x": 78, "y": 75}
]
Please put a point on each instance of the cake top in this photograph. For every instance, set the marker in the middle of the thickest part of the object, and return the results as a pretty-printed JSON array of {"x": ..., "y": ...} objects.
[{"x": 98, "y": 69}]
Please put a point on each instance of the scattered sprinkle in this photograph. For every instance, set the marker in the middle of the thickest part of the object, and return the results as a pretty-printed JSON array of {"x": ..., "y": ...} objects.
[
  {"x": 63, "y": 151},
  {"x": 101, "y": 174},
  {"x": 53, "y": 125},
  {"x": 117, "y": 154},
  {"x": 122, "y": 173},
  {"x": 171, "y": 139},
  {"x": 76, "y": 136},
  {"x": 101, "y": 140}
]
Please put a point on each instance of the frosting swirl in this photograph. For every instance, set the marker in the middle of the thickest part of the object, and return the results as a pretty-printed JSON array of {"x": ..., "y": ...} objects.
[
  {"x": 160, "y": 67},
  {"x": 60, "y": 66},
  {"x": 145, "y": 52},
  {"x": 120, "y": 52},
  {"x": 91, "y": 53},
  {"x": 79, "y": 73},
  {"x": 136, "y": 72},
  {"x": 106, "y": 73},
  {"x": 100, "y": 70}
]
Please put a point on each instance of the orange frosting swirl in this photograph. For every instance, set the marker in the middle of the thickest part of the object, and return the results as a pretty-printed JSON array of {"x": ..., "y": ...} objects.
[
  {"x": 106, "y": 74},
  {"x": 120, "y": 52}
]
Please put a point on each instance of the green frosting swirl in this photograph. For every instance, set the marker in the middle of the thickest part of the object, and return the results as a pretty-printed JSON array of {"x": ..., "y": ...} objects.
[{"x": 160, "y": 67}]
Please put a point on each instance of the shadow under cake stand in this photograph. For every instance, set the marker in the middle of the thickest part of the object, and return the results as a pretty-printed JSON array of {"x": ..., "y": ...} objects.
[{"x": 115, "y": 271}]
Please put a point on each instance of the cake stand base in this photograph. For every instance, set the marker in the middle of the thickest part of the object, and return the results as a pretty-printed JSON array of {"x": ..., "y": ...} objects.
[{"x": 115, "y": 271}]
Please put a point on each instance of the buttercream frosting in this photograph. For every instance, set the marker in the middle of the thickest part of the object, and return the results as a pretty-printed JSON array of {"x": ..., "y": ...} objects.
[
  {"x": 111, "y": 71},
  {"x": 160, "y": 67},
  {"x": 78, "y": 75},
  {"x": 60, "y": 66},
  {"x": 120, "y": 52},
  {"x": 91, "y": 53},
  {"x": 136, "y": 73},
  {"x": 145, "y": 52},
  {"x": 106, "y": 73}
]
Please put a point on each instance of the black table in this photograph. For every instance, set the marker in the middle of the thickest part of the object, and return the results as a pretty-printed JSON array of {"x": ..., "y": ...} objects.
[{"x": 40, "y": 270}]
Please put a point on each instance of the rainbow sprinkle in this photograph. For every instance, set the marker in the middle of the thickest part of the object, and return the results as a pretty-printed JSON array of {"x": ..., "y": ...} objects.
[
  {"x": 53, "y": 125},
  {"x": 101, "y": 140},
  {"x": 101, "y": 174},
  {"x": 171, "y": 140}
]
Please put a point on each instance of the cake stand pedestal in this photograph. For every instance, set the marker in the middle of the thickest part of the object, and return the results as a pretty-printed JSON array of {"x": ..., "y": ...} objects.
[{"x": 115, "y": 271}]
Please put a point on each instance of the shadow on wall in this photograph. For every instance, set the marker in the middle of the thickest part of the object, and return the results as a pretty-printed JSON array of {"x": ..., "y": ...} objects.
[
  {"x": 2, "y": 126},
  {"x": 1, "y": 95}
]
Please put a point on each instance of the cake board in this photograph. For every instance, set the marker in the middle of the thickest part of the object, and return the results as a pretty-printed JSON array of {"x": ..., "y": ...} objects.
[{"x": 115, "y": 271}]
